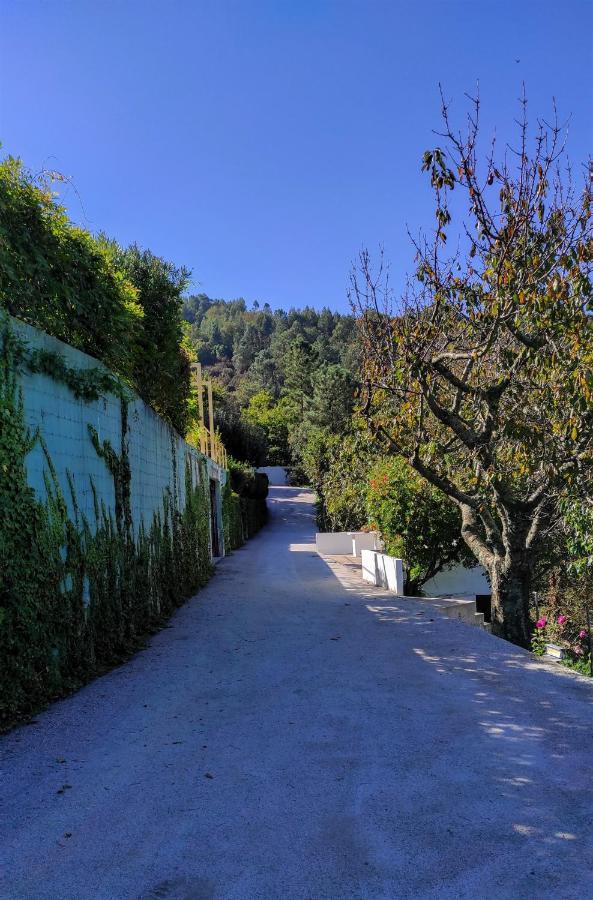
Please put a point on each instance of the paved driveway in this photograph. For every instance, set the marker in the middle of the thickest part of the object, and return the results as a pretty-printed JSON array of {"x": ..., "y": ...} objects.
[{"x": 293, "y": 735}]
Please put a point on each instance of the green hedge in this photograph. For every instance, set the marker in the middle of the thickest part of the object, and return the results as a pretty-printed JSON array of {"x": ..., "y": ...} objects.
[
  {"x": 122, "y": 306},
  {"x": 244, "y": 505}
]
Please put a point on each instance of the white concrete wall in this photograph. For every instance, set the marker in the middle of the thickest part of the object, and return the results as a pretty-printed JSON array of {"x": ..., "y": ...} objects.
[
  {"x": 276, "y": 475},
  {"x": 462, "y": 608},
  {"x": 345, "y": 543},
  {"x": 364, "y": 540},
  {"x": 383, "y": 571},
  {"x": 458, "y": 582},
  {"x": 369, "y": 567},
  {"x": 334, "y": 544},
  {"x": 391, "y": 573}
]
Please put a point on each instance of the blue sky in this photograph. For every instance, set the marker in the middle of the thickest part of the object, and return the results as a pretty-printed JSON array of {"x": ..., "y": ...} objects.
[{"x": 263, "y": 143}]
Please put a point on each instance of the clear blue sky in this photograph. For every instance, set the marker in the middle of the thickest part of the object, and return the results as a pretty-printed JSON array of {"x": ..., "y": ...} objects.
[{"x": 263, "y": 143}]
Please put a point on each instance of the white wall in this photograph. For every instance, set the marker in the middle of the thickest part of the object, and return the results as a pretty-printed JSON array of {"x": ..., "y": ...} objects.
[
  {"x": 334, "y": 543},
  {"x": 458, "y": 582},
  {"x": 276, "y": 475},
  {"x": 345, "y": 543}
]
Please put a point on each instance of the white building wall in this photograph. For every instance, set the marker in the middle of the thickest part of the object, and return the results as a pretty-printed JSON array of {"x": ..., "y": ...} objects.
[{"x": 458, "y": 582}]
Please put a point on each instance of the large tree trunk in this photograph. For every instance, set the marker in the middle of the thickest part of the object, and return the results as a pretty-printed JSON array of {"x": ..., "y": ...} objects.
[{"x": 511, "y": 583}]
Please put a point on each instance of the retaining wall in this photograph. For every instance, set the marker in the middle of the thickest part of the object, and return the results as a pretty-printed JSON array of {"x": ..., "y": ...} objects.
[
  {"x": 157, "y": 455},
  {"x": 108, "y": 518}
]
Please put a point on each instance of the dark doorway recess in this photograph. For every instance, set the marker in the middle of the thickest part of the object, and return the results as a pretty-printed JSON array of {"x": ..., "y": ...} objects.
[{"x": 484, "y": 605}]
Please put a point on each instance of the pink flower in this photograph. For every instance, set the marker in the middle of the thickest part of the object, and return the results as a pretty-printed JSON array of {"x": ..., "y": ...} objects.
[
  {"x": 577, "y": 650},
  {"x": 582, "y": 633},
  {"x": 562, "y": 619},
  {"x": 541, "y": 623}
]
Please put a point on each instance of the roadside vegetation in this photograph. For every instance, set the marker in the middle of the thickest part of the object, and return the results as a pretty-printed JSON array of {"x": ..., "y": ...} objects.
[
  {"x": 457, "y": 419},
  {"x": 481, "y": 375}
]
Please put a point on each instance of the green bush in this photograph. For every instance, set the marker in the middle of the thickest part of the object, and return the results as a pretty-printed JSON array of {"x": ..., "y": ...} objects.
[
  {"x": 418, "y": 523},
  {"x": 122, "y": 306},
  {"x": 232, "y": 519},
  {"x": 57, "y": 277},
  {"x": 244, "y": 504},
  {"x": 161, "y": 365}
]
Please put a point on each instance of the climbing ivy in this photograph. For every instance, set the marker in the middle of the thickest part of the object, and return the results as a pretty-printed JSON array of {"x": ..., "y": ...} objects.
[
  {"x": 85, "y": 384},
  {"x": 77, "y": 596}
]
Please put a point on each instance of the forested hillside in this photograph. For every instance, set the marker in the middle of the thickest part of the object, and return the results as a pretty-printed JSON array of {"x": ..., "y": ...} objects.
[{"x": 277, "y": 373}]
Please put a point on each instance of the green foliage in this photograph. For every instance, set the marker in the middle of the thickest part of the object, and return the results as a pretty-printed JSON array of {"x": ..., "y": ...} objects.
[
  {"x": 299, "y": 364},
  {"x": 343, "y": 485},
  {"x": 244, "y": 504},
  {"x": 567, "y": 629},
  {"x": 57, "y": 277},
  {"x": 577, "y": 513},
  {"x": 274, "y": 420},
  {"x": 286, "y": 372},
  {"x": 583, "y": 665},
  {"x": 76, "y": 596},
  {"x": 161, "y": 369},
  {"x": 85, "y": 384},
  {"x": 122, "y": 306},
  {"x": 417, "y": 522},
  {"x": 333, "y": 399},
  {"x": 243, "y": 439},
  {"x": 335, "y": 467},
  {"x": 234, "y": 536}
]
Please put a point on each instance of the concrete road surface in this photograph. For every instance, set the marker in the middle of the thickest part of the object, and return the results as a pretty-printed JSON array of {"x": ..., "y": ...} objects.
[{"x": 295, "y": 735}]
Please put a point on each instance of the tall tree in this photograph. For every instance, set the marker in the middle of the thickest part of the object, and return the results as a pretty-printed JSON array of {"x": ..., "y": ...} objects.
[
  {"x": 482, "y": 378},
  {"x": 332, "y": 400},
  {"x": 298, "y": 364}
]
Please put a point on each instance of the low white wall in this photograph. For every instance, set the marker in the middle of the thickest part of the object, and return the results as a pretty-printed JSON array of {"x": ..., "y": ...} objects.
[
  {"x": 345, "y": 543},
  {"x": 276, "y": 475},
  {"x": 334, "y": 544},
  {"x": 383, "y": 571},
  {"x": 463, "y": 608},
  {"x": 391, "y": 573},
  {"x": 364, "y": 540},
  {"x": 458, "y": 582},
  {"x": 386, "y": 571},
  {"x": 369, "y": 567}
]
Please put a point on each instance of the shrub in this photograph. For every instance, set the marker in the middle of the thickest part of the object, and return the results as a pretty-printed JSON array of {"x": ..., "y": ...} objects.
[
  {"x": 122, "y": 306},
  {"x": 417, "y": 522},
  {"x": 567, "y": 631},
  {"x": 161, "y": 365},
  {"x": 244, "y": 504},
  {"x": 58, "y": 277}
]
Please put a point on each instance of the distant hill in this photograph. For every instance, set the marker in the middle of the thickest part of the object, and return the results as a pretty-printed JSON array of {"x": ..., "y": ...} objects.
[{"x": 246, "y": 349}]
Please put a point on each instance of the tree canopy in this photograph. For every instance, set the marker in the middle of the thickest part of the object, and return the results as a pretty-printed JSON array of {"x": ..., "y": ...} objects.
[{"x": 482, "y": 377}]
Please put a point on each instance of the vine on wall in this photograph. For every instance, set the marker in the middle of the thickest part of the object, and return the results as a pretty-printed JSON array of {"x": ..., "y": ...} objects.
[{"x": 75, "y": 596}]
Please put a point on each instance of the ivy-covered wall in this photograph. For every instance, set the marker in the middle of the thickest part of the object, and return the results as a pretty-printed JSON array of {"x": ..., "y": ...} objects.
[{"x": 104, "y": 518}]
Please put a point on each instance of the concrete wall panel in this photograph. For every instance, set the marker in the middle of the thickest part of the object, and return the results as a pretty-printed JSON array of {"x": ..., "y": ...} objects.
[{"x": 157, "y": 454}]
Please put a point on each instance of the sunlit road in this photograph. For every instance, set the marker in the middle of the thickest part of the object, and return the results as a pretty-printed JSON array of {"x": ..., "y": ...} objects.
[{"x": 293, "y": 736}]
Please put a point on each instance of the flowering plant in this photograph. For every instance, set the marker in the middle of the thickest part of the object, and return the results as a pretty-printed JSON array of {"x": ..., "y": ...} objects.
[{"x": 559, "y": 629}]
